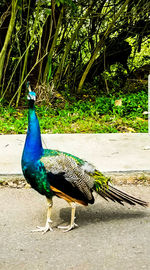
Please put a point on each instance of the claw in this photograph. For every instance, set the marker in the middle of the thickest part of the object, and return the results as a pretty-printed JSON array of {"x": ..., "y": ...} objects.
[
  {"x": 44, "y": 229},
  {"x": 68, "y": 228}
]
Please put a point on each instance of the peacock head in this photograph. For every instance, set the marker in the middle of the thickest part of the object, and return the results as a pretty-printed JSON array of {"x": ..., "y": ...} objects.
[{"x": 31, "y": 96}]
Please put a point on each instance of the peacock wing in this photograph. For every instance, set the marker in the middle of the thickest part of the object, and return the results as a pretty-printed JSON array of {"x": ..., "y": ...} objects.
[{"x": 74, "y": 172}]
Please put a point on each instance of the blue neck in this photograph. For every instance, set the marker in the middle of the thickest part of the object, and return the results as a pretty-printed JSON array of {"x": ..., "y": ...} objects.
[{"x": 33, "y": 149}]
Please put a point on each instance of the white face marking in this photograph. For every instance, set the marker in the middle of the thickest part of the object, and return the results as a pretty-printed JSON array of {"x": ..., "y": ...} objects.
[{"x": 31, "y": 96}]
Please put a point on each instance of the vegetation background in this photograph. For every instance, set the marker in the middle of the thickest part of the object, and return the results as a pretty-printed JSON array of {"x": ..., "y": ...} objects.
[{"x": 88, "y": 62}]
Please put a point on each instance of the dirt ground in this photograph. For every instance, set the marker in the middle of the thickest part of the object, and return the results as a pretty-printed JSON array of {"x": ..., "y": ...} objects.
[{"x": 109, "y": 235}]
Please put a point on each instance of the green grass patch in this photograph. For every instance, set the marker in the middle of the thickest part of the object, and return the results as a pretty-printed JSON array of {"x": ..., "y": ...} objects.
[{"x": 105, "y": 114}]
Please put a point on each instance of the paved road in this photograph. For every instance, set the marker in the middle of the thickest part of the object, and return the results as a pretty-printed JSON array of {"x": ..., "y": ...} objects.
[{"x": 109, "y": 236}]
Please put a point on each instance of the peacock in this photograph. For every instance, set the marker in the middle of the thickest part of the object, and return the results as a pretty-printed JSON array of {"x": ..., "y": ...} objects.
[{"x": 56, "y": 173}]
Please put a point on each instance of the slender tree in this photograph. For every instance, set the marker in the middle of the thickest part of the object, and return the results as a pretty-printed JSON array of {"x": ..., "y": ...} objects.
[
  {"x": 100, "y": 44},
  {"x": 8, "y": 37}
]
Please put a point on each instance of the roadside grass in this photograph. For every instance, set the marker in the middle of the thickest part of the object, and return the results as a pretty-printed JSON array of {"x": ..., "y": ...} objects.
[{"x": 105, "y": 114}]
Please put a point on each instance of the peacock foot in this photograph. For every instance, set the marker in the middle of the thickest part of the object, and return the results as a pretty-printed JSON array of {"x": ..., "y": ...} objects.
[
  {"x": 68, "y": 228},
  {"x": 44, "y": 229}
]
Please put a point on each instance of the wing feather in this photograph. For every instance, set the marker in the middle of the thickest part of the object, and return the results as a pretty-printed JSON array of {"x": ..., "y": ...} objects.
[{"x": 73, "y": 172}]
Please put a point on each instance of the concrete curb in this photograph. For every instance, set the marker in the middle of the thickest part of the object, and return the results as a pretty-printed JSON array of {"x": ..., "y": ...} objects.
[
  {"x": 126, "y": 153},
  {"x": 117, "y": 178}
]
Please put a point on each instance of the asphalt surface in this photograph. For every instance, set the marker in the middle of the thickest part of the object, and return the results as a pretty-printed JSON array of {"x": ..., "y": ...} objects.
[{"x": 109, "y": 236}]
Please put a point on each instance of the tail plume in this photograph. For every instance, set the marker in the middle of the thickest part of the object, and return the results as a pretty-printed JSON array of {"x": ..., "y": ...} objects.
[{"x": 116, "y": 195}]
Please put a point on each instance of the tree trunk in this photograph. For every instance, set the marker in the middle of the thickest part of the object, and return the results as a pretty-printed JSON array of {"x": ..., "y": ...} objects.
[
  {"x": 100, "y": 45},
  {"x": 48, "y": 64},
  {"x": 8, "y": 37},
  {"x": 69, "y": 44}
]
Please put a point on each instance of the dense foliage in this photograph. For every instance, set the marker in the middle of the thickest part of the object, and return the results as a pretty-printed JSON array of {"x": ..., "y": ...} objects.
[{"x": 72, "y": 46}]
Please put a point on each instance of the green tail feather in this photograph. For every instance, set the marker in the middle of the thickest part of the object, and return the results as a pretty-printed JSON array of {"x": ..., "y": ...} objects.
[{"x": 101, "y": 181}]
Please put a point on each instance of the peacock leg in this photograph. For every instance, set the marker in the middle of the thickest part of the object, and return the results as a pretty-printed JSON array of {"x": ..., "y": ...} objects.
[
  {"x": 72, "y": 224},
  {"x": 48, "y": 220}
]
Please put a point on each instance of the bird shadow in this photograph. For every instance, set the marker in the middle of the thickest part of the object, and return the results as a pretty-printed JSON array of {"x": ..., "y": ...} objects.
[{"x": 99, "y": 213}]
